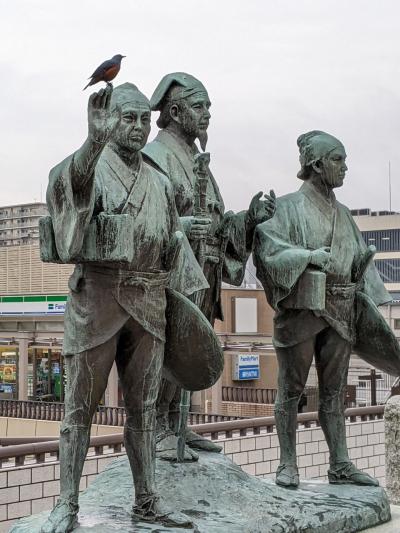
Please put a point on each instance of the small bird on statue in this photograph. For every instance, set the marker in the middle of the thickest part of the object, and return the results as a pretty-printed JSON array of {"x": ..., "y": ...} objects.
[{"x": 106, "y": 71}]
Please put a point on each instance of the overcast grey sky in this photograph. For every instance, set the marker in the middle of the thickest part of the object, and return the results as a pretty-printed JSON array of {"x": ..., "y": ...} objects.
[{"x": 274, "y": 69}]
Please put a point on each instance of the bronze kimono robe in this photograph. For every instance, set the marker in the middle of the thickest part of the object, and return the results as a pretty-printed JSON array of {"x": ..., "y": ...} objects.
[
  {"x": 304, "y": 221},
  {"x": 172, "y": 156},
  {"x": 138, "y": 288}
]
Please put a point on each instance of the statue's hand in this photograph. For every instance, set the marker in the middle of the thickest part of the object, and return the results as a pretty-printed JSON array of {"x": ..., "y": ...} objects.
[
  {"x": 261, "y": 210},
  {"x": 200, "y": 228},
  {"x": 101, "y": 121},
  {"x": 320, "y": 257}
]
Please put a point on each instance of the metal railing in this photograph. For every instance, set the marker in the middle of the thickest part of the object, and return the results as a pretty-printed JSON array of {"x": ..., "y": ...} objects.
[
  {"x": 104, "y": 415},
  {"x": 267, "y": 424},
  {"x": 248, "y": 394},
  {"x": 37, "y": 452},
  {"x": 16, "y": 450}
]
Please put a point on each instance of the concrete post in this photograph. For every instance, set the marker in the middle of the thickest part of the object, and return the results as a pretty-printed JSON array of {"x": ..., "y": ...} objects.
[
  {"x": 216, "y": 397},
  {"x": 111, "y": 395},
  {"x": 392, "y": 441},
  {"x": 23, "y": 369},
  {"x": 198, "y": 401}
]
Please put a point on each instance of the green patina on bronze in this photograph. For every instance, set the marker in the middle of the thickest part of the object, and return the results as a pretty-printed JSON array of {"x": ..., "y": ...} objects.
[
  {"x": 114, "y": 216},
  {"x": 319, "y": 276},
  {"x": 221, "y": 240}
]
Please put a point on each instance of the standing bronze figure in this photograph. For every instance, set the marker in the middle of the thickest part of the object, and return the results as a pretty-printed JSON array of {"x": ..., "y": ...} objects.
[
  {"x": 319, "y": 277},
  {"x": 114, "y": 216},
  {"x": 224, "y": 237}
]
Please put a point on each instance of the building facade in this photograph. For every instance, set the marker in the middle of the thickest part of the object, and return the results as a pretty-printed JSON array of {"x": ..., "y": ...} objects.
[
  {"x": 382, "y": 229},
  {"x": 19, "y": 224},
  {"x": 32, "y": 303}
]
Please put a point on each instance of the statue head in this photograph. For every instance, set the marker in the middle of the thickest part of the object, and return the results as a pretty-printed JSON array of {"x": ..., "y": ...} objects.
[
  {"x": 134, "y": 129},
  {"x": 323, "y": 156},
  {"x": 184, "y": 104}
]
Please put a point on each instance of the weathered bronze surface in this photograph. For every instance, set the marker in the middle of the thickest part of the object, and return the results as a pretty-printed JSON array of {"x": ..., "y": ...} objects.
[
  {"x": 319, "y": 277},
  {"x": 221, "y": 240},
  {"x": 221, "y": 498},
  {"x": 114, "y": 216}
]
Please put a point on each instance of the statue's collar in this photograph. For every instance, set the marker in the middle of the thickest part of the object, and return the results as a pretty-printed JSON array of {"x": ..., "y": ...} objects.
[
  {"x": 319, "y": 198},
  {"x": 176, "y": 143},
  {"x": 182, "y": 151},
  {"x": 126, "y": 175}
]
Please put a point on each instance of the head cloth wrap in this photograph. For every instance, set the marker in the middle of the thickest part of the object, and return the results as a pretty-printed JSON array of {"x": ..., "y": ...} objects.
[
  {"x": 313, "y": 146},
  {"x": 128, "y": 93},
  {"x": 187, "y": 86}
]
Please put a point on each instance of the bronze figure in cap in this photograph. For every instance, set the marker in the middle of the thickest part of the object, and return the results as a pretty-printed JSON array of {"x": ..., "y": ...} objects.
[
  {"x": 114, "y": 216},
  {"x": 319, "y": 276},
  {"x": 221, "y": 239}
]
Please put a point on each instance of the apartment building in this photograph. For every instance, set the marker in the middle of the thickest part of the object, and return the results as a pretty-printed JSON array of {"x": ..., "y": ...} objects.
[{"x": 19, "y": 224}]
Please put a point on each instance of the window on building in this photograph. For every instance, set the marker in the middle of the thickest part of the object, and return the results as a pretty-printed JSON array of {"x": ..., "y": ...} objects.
[
  {"x": 389, "y": 270},
  {"x": 384, "y": 240},
  {"x": 244, "y": 315},
  {"x": 8, "y": 372},
  {"x": 397, "y": 323}
]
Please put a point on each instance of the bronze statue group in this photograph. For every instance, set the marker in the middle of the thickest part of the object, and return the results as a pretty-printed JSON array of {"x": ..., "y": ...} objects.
[{"x": 139, "y": 220}]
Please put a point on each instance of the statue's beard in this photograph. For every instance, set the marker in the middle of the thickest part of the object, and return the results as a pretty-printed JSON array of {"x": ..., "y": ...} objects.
[
  {"x": 191, "y": 128},
  {"x": 203, "y": 138}
]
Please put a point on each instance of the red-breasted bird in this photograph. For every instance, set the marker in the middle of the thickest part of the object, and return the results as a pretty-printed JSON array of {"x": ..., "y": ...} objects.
[{"x": 106, "y": 71}]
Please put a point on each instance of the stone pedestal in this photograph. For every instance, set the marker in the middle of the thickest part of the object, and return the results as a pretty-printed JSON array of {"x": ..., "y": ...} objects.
[
  {"x": 392, "y": 444},
  {"x": 220, "y": 498}
]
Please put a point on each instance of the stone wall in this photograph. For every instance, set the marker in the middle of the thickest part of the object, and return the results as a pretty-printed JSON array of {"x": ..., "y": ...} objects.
[
  {"x": 258, "y": 455},
  {"x": 31, "y": 489}
]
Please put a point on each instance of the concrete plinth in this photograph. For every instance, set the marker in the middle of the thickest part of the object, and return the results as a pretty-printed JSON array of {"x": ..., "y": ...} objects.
[
  {"x": 392, "y": 429},
  {"x": 220, "y": 498}
]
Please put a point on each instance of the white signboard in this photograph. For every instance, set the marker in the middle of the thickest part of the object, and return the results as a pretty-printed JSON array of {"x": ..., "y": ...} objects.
[
  {"x": 32, "y": 308},
  {"x": 246, "y": 366}
]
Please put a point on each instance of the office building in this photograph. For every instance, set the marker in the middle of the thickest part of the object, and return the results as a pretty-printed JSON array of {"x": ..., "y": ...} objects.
[{"x": 19, "y": 224}]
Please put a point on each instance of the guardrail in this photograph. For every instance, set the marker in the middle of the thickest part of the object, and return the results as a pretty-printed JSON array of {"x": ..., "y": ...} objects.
[
  {"x": 15, "y": 450},
  {"x": 105, "y": 415},
  {"x": 248, "y": 394},
  {"x": 40, "y": 452},
  {"x": 255, "y": 426}
]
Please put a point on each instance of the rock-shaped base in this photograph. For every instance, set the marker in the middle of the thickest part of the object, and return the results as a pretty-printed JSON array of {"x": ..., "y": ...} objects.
[{"x": 220, "y": 498}]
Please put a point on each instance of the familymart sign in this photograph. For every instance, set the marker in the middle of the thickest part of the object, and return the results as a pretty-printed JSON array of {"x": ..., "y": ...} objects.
[{"x": 33, "y": 305}]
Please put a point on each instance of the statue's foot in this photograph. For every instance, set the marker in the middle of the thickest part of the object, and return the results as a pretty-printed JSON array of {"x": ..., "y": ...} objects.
[
  {"x": 166, "y": 450},
  {"x": 153, "y": 509},
  {"x": 342, "y": 473},
  {"x": 62, "y": 519},
  {"x": 287, "y": 476},
  {"x": 200, "y": 443}
]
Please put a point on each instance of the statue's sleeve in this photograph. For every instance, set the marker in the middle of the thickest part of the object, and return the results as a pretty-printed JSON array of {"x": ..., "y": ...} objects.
[
  {"x": 70, "y": 207},
  {"x": 280, "y": 254},
  {"x": 372, "y": 284},
  {"x": 186, "y": 276},
  {"x": 238, "y": 247}
]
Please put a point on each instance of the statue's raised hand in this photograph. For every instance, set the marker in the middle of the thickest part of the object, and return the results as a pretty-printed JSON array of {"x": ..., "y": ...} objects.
[
  {"x": 261, "y": 210},
  {"x": 101, "y": 121}
]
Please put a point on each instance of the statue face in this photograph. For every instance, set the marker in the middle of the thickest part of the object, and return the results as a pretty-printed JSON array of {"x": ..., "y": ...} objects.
[
  {"x": 193, "y": 114},
  {"x": 333, "y": 167},
  {"x": 134, "y": 128}
]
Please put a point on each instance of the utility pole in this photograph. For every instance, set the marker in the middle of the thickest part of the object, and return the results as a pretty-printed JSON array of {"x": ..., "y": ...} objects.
[{"x": 373, "y": 377}]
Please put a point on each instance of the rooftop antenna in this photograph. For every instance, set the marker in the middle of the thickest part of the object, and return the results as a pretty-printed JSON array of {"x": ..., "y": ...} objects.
[{"x": 390, "y": 189}]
